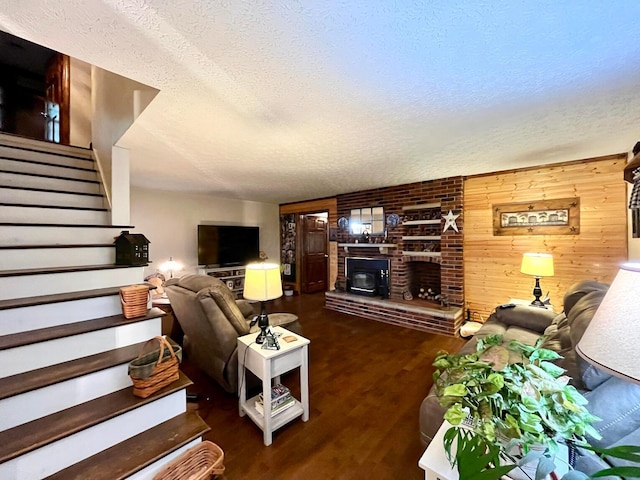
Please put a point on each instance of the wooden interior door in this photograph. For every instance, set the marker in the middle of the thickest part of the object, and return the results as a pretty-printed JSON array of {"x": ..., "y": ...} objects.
[
  {"x": 57, "y": 94},
  {"x": 315, "y": 236}
]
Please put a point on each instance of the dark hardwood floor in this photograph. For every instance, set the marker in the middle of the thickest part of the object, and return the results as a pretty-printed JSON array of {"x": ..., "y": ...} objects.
[{"x": 366, "y": 382}]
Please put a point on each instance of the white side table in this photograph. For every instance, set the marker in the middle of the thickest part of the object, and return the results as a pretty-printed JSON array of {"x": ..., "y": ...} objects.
[
  {"x": 527, "y": 303},
  {"x": 436, "y": 466},
  {"x": 268, "y": 365}
]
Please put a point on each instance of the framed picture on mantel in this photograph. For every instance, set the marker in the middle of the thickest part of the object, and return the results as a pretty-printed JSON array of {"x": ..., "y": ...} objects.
[{"x": 542, "y": 217}]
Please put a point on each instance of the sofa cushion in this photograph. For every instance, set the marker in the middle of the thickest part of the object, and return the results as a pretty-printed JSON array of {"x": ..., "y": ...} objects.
[
  {"x": 579, "y": 290},
  {"x": 226, "y": 301},
  {"x": 525, "y": 316}
]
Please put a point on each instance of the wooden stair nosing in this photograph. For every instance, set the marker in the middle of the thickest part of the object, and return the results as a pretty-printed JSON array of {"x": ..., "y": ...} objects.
[
  {"x": 49, "y": 152},
  {"x": 57, "y": 298},
  {"x": 55, "y": 177},
  {"x": 138, "y": 452},
  {"x": 46, "y": 376},
  {"x": 52, "y": 190},
  {"x": 59, "y": 207},
  {"x": 49, "y": 164},
  {"x": 30, "y": 337},
  {"x": 32, "y": 435},
  {"x": 62, "y": 225},
  {"x": 48, "y": 270},
  {"x": 44, "y": 247}
]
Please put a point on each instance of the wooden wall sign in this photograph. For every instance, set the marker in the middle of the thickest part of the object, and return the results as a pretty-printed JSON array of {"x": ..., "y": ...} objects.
[{"x": 543, "y": 217}]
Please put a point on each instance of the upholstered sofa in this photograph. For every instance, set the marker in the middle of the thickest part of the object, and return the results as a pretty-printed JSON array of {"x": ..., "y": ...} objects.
[
  {"x": 615, "y": 401},
  {"x": 212, "y": 320}
]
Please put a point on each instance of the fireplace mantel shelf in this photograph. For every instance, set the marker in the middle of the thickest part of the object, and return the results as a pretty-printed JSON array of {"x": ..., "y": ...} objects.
[{"x": 382, "y": 247}]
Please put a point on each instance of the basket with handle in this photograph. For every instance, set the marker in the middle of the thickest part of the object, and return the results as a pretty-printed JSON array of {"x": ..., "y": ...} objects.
[
  {"x": 155, "y": 369},
  {"x": 201, "y": 462},
  {"x": 135, "y": 300}
]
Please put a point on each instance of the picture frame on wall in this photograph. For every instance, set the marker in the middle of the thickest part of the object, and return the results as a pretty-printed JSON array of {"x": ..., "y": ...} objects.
[{"x": 543, "y": 217}]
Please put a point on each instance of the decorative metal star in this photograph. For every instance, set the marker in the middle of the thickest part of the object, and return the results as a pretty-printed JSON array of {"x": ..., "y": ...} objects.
[{"x": 450, "y": 221}]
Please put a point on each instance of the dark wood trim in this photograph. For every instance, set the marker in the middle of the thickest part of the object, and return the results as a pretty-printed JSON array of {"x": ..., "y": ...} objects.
[
  {"x": 40, "y": 271},
  {"x": 51, "y": 190},
  {"x": 34, "y": 247},
  {"x": 44, "y": 377},
  {"x": 126, "y": 458},
  {"x": 72, "y": 225},
  {"x": 56, "y": 177},
  {"x": 71, "y": 329},
  {"x": 48, "y": 164},
  {"x": 57, "y": 207},
  {"x": 46, "y": 430}
]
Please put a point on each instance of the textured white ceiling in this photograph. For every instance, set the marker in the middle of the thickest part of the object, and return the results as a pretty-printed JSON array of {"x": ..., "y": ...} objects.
[{"x": 284, "y": 101}]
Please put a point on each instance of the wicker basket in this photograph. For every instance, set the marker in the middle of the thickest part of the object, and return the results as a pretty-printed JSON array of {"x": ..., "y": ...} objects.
[
  {"x": 155, "y": 369},
  {"x": 201, "y": 462},
  {"x": 135, "y": 300}
]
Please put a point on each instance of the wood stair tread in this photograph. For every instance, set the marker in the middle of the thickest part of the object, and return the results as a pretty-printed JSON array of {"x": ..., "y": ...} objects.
[
  {"x": 51, "y": 190},
  {"x": 46, "y": 376},
  {"x": 59, "y": 207},
  {"x": 45, "y": 147},
  {"x": 62, "y": 225},
  {"x": 84, "y": 268},
  {"x": 60, "y": 331},
  {"x": 49, "y": 164},
  {"x": 128, "y": 457},
  {"x": 43, "y": 431},
  {"x": 34, "y": 247},
  {"x": 55, "y": 177},
  {"x": 58, "y": 297}
]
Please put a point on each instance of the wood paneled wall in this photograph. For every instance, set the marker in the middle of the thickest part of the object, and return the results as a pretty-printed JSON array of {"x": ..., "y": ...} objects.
[{"x": 492, "y": 263}]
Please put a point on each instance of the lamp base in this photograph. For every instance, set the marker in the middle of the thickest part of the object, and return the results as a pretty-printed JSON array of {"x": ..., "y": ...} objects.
[{"x": 537, "y": 292}]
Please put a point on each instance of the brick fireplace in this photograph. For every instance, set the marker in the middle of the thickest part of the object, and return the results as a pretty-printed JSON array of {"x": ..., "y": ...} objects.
[{"x": 419, "y": 253}]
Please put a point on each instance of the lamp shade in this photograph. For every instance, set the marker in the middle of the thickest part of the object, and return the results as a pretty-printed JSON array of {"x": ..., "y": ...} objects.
[
  {"x": 611, "y": 340},
  {"x": 537, "y": 264},
  {"x": 262, "y": 281}
]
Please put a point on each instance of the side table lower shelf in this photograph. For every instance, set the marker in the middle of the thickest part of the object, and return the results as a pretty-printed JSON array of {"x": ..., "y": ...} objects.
[{"x": 278, "y": 420}]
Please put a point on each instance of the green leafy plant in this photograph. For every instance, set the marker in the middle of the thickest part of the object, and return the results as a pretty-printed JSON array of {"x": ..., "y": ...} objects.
[{"x": 509, "y": 406}]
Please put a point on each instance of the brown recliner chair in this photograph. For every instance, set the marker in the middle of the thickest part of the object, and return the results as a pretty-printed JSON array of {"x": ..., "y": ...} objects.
[{"x": 212, "y": 320}]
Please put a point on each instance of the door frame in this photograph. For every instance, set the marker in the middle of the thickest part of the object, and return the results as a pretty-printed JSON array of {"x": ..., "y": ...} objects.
[{"x": 301, "y": 239}]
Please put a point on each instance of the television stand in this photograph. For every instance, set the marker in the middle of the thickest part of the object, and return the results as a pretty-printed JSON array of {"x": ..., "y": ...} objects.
[{"x": 233, "y": 277}]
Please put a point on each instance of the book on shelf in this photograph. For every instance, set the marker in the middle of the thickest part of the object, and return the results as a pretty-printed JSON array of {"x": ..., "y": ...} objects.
[
  {"x": 281, "y": 407},
  {"x": 279, "y": 393}
]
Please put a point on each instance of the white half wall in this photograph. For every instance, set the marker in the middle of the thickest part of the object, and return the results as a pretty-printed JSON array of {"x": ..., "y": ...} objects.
[{"x": 170, "y": 222}]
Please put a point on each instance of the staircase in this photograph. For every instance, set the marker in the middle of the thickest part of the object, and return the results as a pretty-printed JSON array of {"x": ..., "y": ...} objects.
[{"x": 66, "y": 405}]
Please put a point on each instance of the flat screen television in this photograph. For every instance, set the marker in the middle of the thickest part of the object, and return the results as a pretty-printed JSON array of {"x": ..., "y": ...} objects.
[{"x": 228, "y": 245}]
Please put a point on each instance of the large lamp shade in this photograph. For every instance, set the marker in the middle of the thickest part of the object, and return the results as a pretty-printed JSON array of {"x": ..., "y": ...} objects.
[
  {"x": 537, "y": 264},
  {"x": 262, "y": 281},
  {"x": 611, "y": 340}
]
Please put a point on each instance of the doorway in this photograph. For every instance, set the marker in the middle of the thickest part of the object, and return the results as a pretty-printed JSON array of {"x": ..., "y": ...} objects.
[{"x": 314, "y": 248}]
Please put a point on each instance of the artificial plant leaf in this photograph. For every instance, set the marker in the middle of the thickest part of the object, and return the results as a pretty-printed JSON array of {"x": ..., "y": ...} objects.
[
  {"x": 455, "y": 414},
  {"x": 457, "y": 390},
  {"x": 529, "y": 403},
  {"x": 625, "y": 452},
  {"x": 553, "y": 369},
  {"x": 545, "y": 467},
  {"x": 626, "y": 472},
  {"x": 497, "y": 356}
]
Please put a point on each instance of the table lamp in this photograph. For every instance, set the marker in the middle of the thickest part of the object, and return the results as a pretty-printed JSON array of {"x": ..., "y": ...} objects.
[
  {"x": 610, "y": 342},
  {"x": 538, "y": 265},
  {"x": 262, "y": 282},
  {"x": 170, "y": 267}
]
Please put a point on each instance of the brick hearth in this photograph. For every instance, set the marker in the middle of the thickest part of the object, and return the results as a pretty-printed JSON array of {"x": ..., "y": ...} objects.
[
  {"x": 404, "y": 314},
  {"x": 448, "y": 276}
]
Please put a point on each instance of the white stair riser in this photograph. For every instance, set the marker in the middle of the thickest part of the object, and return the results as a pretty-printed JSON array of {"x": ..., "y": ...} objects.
[
  {"x": 51, "y": 158},
  {"x": 51, "y": 283},
  {"x": 35, "y": 404},
  {"x": 56, "y": 257},
  {"x": 53, "y": 170},
  {"x": 34, "y": 197},
  {"x": 37, "y": 355},
  {"x": 29, "y": 181},
  {"x": 32, "y": 235},
  {"x": 38, "y": 146},
  {"x": 24, "y": 319},
  {"x": 59, "y": 215},
  {"x": 149, "y": 472},
  {"x": 67, "y": 451}
]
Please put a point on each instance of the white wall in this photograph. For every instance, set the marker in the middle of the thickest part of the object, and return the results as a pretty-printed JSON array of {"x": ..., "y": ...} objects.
[{"x": 170, "y": 222}]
